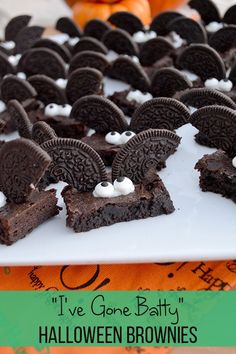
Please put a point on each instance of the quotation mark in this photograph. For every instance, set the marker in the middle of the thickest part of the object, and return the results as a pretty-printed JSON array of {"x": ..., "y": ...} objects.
[
  {"x": 54, "y": 299},
  {"x": 181, "y": 300}
]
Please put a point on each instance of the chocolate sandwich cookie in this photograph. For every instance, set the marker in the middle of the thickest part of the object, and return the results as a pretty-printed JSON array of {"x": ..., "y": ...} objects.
[
  {"x": 15, "y": 25},
  {"x": 12, "y": 87},
  {"x": 89, "y": 43},
  {"x": 120, "y": 42},
  {"x": 26, "y": 38},
  {"x": 230, "y": 16},
  {"x": 20, "y": 119},
  {"x": 126, "y": 21},
  {"x": 58, "y": 48},
  {"x": 96, "y": 28},
  {"x": 188, "y": 29},
  {"x": 207, "y": 10},
  {"x": 154, "y": 50},
  {"x": 89, "y": 59},
  {"x": 166, "y": 82},
  {"x": 83, "y": 82},
  {"x": 125, "y": 69},
  {"x": 161, "y": 22},
  {"x": 42, "y": 132},
  {"x": 224, "y": 39},
  {"x": 68, "y": 26},
  {"x": 159, "y": 113},
  {"x": 5, "y": 66}
]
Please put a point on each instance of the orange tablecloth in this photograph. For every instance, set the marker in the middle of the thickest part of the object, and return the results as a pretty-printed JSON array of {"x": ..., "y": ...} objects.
[{"x": 168, "y": 276}]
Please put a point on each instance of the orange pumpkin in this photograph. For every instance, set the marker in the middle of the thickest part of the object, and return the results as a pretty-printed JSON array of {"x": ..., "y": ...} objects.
[
  {"x": 159, "y": 5},
  {"x": 85, "y": 10}
]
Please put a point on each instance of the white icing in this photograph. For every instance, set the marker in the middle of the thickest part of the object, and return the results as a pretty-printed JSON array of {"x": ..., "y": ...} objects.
[
  {"x": 65, "y": 110},
  {"x": 104, "y": 190},
  {"x": 3, "y": 107},
  {"x": 192, "y": 109},
  {"x": 124, "y": 185},
  {"x": 214, "y": 26},
  {"x": 190, "y": 75},
  {"x": 234, "y": 162},
  {"x": 138, "y": 96},
  {"x": 222, "y": 85},
  {"x": 52, "y": 110},
  {"x": 21, "y": 75},
  {"x": 2, "y": 200},
  {"x": 113, "y": 138},
  {"x": 14, "y": 59},
  {"x": 60, "y": 39},
  {"x": 133, "y": 57},
  {"x": 111, "y": 55},
  {"x": 212, "y": 83},
  {"x": 126, "y": 136},
  {"x": 176, "y": 40},
  {"x": 8, "y": 45},
  {"x": 61, "y": 83},
  {"x": 73, "y": 41},
  {"x": 141, "y": 37}
]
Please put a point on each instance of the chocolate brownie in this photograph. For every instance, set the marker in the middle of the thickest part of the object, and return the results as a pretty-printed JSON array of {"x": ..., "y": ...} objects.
[
  {"x": 217, "y": 174},
  {"x": 85, "y": 212},
  {"x": 120, "y": 99}
]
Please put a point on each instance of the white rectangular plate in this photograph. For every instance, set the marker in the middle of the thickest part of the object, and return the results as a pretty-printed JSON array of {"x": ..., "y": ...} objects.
[{"x": 203, "y": 227}]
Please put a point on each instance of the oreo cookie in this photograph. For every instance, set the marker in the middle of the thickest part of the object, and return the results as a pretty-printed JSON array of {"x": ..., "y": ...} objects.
[
  {"x": 75, "y": 163},
  {"x": 96, "y": 28},
  {"x": 12, "y": 87},
  {"x": 58, "y": 48},
  {"x": 232, "y": 75},
  {"x": 230, "y": 16},
  {"x": 203, "y": 60},
  {"x": 224, "y": 39},
  {"x": 188, "y": 29},
  {"x": 42, "y": 132},
  {"x": 89, "y": 59},
  {"x": 20, "y": 118},
  {"x": 161, "y": 22},
  {"x": 167, "y": 81},
  {"x": 159, "y": 113},
  {"x": 145, "y": 151},
  {"x": 202, "y": 97},
  {"x": 42, "y": 61},
  {"x": 47, "y": 90},
  {"x": 126, "y": 21},
  {"x": 120, "y": 42},
  {"x": 15, "y": 25},
  {"x": 18, "y": 180},
  {"x": 100, "y": 114},
  {"x": 5, "y": 66},
  {"x": 89, "y": 43},
  {"x": 154, "y": 50},
  {"x": 83, "y": 82},
  {"x": 67, "y": 25},
  {"x": 26, "y": 38},
  {"x": 125, "y": 69},
  {"x": 207, "y": 10},
  {"x": 219, "y": 125}
]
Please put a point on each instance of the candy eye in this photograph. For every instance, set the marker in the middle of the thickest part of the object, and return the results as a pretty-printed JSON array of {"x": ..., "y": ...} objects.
[
  {"x": 104, "y": 190},
  {"x": 65, "y": 110},
  {"x": 225, "y": 85},
  {"x": 234, "y": 162},
  {"x": 212, "y": 83},
  {"x": 52, "y": 110},
  {"x": 126, "y": 136},
  {"x": 61, "y": 83},
  {"x": 113, "y": 138},
  {"x": 124, "y": 185}
]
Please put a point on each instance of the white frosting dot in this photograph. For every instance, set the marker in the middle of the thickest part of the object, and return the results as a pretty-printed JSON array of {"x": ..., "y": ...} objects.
[
  {"x": 214, "y": 26},
  {"x": 61, "y": 83},
  {"x": 141, "y": 37},
  {"x": 21, "y": 75},
  {"x": 73, "y": 41},
  {"x": 190, "y": 75},
  {"x": 234, "y": 162},
  {"x": 212, "y": 83},
  {"x": 113, "y": 138},
  {"x": 2, "y": 200},
  {"x": 65, "y": 110},
  {"x": 14, "y": 59},
  {"x": 138, "y": 96},
  {"x": 225, "y": 85},
  {"x": 3, "y": 107},
  {"x": 52, "y": 110},
  {"x": 8, "y": 45},
  {"x": 126, "y": 136},
  {"x": 104, "y": 190},
  {"x": 176, "y": 40},
  {"x": 124, "y": 185}
]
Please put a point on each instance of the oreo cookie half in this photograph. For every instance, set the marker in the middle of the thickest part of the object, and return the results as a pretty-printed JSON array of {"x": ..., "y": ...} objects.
[
  {"x": 58, "y": 48},
  {"x": 100, "y": 114},
  {"x": 147, "y": 150},
  {"x": 42, "y": 61},
  {"x": 219, "y": 125},
  {"x": 207, "y": 10},
  {"x": 167, "y": 81},
  {"x": 89, "y": 59},
  {"x": 75, "y": 163},
  {"x": 126, "y": 21},
  {"x": 96, "y": 28},
  {"x": 154, "y": 50},
  {"x": 224, "y": 39},
  {"x": 202, "y": 97},
  {"x": 5, "y": 66},
  {"x": 203, "y": 60},
  {"x": 159, "y": 113},
  {"x": 120, "y": 42},
  {"x": 188, "y": 29},
  {"x": 89, "y": 43},
  {"x": 15, "y": 25},
  {"x": 67, "y": 25},
  {"x": 12, "y": 87},
  {"x": 47, "y": 90},
  {"x": 83, "y": 82},
  {"x": 161, "y": 22},
  {"x": 125, "y": 69},
  {"x": 230, "y": 16},
  {"x": 20, "y": 118},
  {"x": 18, "y": 180},
  {"x": 26, "y": 38},
  {"x": 42, "y": 132}
]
